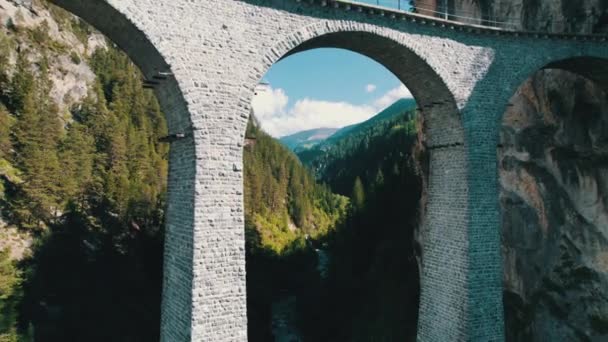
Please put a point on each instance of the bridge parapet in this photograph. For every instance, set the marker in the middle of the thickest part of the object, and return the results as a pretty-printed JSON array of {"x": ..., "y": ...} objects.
[{"x": 438, "y": 17}]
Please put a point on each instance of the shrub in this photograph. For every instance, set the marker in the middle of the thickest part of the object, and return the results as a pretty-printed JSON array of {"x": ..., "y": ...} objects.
[{"x": 75, "y": 58}]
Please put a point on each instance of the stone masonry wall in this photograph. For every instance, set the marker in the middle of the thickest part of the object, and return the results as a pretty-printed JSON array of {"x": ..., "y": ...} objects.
[{"x": 217, "y": 51}]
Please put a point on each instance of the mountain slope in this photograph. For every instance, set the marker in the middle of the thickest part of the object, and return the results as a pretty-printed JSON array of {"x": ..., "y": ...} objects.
[
  {"x": 82, "y": 184},
  {"x": 372, "y": 289},
  {"x": 399, "y": 107},
  {"x": 307, "y": 139},
  {"x": 285, "y": 210},
  {"x": 324, "y": 159},
  {"x": 283, "y": 201}
]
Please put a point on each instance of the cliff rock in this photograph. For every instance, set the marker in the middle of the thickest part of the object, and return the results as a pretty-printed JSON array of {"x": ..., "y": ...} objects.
[{"x": 553, "y": 167}]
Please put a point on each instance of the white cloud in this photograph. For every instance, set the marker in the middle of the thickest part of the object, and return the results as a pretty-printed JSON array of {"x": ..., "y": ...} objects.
[
  {"x": 271, "y": 109},
  {"x": 391, "y": 96},
  {"x": 370, "y": 88},
  {"x": 309, "y": 114},
  {"x": 269, "y": 103}
]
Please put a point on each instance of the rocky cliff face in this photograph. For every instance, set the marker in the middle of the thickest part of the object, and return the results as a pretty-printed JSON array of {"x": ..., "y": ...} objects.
[
  {"x": 579, "y": 16},
  {"x": 554, "y": 175},
  {"x": 571, "y": 16}
]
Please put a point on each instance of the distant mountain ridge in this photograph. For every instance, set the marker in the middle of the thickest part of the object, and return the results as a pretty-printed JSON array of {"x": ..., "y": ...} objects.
[
  {"x": 348, "y": 138},
  {"x": 399, "y": 107},
  {"x": 307, "y": 139},
  {"x": 322, "y": 138}
]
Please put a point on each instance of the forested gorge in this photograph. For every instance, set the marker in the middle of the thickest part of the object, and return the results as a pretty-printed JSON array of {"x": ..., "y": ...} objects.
[{"x": 370, "y": 288}]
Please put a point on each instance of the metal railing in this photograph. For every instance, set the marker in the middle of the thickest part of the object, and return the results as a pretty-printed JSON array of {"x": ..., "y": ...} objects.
[{"x": 443, "y": 12}]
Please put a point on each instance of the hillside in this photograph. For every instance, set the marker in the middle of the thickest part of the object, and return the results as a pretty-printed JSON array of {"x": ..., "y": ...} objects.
[
  {"x": 330, "y": 159},
  {"x": 307, "y": 139},
  {"x": 399, "y": 107},
  {"x": 372, "y": 288},
  {"x": 285, "y": 211},
  {"x": 283, "y": 201},
  {"x": 82, "y": 184}
]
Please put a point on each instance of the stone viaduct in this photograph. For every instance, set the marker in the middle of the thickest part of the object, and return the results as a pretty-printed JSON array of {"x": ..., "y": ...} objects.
[{"x": 205, "y": 59}]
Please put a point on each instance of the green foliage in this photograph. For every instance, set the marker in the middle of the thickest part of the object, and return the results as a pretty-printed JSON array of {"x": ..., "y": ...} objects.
[
  {"x": 39, "y": 35},
  {"x": 599, "y": 322},
  {"x": 6, "y": 123},
  {"x": 285, "y": 212},
  {"x": 282, "y": 200},
  {"x": 9, "y": 276},
  {"x": 75, "y": 58},
  {"x": 10, "y": 280},
  {"x": 358, "y": 194},
  {"x": 81, "y": 29},
  {"x": 37, "y": 134},
  {"x": 336, "y": 165},
  {"x": 92, "y": 187},
  {"x": 371, "y": 293}
]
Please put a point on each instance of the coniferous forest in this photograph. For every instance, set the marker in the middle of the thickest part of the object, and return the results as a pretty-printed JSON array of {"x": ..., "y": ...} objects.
[
  {"x": 84, "y": 181},
  {"x": 87, "y": 184}
]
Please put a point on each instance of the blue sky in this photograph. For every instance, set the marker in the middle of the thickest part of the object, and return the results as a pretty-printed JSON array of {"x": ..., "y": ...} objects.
[
  {"x": 324, "y": 88},
  {"x": 402, "y": 4}
]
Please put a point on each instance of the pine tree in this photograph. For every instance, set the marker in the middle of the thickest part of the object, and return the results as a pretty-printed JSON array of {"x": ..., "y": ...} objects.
[
  {"x": 379, "y": 179},
  {"x": 21, "y": 85},
  {"x": 77, "y": 155},
  {"x": 358, "y": 194},
  {"x": 37, "y": 132},
  {"x": 10, "y": 279},
  {"x": 6, "y": 122}
]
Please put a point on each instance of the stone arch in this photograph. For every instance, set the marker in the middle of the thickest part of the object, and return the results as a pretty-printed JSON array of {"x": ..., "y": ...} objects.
[
  {"x": 176, "y": 304},
  {"x": 445, "y": 223}
]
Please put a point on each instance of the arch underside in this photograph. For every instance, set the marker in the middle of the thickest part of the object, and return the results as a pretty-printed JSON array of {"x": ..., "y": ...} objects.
[{"x": 592, "y": 68}]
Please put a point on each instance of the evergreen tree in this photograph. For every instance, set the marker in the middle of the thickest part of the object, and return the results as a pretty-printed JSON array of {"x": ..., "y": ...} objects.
[
  {"x": 358, "y": 194},
  {"x": 10, "y": 279},
  {"x": 6, "y": 122},
  {"x": 37, "y": 132},
  {"x": 77, "y": 154}
]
